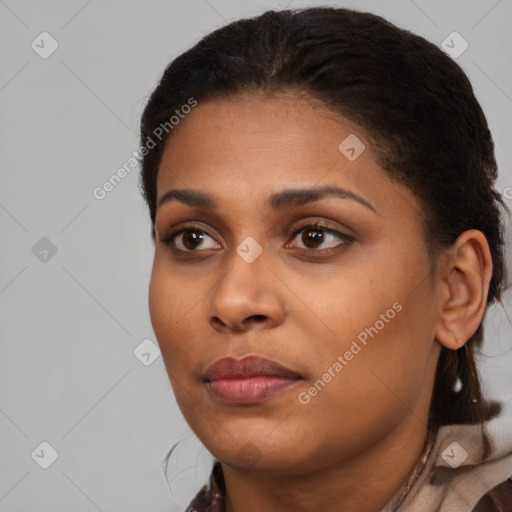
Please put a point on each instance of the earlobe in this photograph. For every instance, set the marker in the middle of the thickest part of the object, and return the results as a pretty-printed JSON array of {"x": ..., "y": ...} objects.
[{"x": 464, "y": 280}]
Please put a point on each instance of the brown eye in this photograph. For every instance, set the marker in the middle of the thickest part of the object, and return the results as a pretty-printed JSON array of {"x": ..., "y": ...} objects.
[
  {"x": 318, "y": 236},
  {"x": 312, "y": 237},
  {"x": 192, "y": 239},
  {"x": 189, "y": 239}
]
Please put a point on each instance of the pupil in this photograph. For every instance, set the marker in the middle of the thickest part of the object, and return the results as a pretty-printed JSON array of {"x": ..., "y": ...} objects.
[
  {"x": 194, "y": 236},
  {"x": 315, "y": 237}
]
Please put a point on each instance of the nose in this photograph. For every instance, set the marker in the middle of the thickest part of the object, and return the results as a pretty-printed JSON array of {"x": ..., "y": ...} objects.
[{"x": 246, "y": 298}]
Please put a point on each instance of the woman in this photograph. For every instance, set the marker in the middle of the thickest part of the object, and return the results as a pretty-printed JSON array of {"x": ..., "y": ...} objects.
[{"x": 328, "y": 240}]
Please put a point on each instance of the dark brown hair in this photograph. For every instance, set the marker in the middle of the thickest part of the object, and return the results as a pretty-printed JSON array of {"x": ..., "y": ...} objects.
[{"x": 413, "y": 101}]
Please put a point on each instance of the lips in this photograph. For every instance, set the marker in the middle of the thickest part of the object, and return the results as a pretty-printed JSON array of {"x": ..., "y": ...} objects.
[
  {"x": 248, "y": 381},
  {"x": 249, "y": 366}
]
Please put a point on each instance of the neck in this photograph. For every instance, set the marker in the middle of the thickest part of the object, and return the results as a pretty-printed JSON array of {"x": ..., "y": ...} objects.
[{"x": 366, "y": 483}]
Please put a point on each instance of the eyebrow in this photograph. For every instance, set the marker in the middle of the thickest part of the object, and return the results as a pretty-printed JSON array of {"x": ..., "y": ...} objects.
[{"x": 277, "y": 201}]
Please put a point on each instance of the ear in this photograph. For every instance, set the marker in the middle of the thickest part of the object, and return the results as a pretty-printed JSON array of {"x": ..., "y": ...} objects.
[{"x": 464, "y": 276}]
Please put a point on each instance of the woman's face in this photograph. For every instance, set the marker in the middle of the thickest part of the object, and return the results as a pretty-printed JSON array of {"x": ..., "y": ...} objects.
[{"x": 349, "y": 306}]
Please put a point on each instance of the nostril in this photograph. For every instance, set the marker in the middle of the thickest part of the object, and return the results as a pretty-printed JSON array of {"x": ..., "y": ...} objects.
[
  {"x": 258, "y": 318},
  {"x": 217, "y": 321}
]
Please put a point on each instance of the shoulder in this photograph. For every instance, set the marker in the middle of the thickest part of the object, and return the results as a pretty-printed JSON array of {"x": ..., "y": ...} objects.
[{"x": 497, "y": 499}]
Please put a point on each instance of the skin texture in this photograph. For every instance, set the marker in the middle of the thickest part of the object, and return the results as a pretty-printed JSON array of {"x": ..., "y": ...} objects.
[{"x": 352, "y": 445}]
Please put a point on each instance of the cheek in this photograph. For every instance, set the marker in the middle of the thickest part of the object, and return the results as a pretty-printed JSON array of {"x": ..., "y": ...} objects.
[
  {"x": 376, "y": 328},
  {"x": 161, "y": 305},
  {"x": 362, "y": 390},
  {"x": 171, "y": 314}
]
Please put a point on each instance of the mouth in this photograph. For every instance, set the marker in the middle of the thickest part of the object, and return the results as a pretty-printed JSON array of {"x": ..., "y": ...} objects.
[{"x": 248, "y": 381}]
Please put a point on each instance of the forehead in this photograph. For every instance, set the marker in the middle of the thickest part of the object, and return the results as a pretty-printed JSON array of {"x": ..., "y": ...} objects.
[
  {"x": 260, "y": 133},
  {"x": 243, "y": 149}
]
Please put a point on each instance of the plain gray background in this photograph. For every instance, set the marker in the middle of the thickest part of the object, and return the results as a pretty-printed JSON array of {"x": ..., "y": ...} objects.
[{"x": 71, "y": 321}]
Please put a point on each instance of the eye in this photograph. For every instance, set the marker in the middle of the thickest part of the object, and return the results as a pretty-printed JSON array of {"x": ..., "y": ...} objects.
[
  {"x": 188, "y": 239},
  {"x": 315, "y": 235}
]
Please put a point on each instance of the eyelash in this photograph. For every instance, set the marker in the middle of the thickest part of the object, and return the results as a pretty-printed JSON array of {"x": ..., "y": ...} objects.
[{"x": 345, "y": 239}]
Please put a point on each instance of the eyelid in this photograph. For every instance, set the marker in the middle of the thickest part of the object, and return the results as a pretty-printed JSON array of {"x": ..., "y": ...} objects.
[{"x": 321, "y": 224}]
